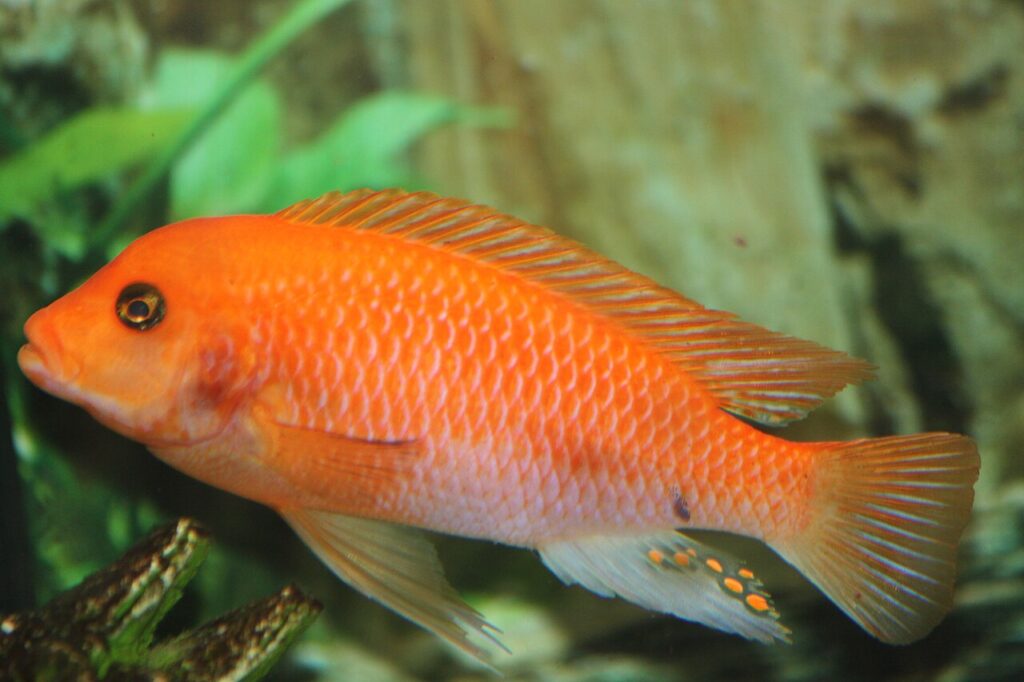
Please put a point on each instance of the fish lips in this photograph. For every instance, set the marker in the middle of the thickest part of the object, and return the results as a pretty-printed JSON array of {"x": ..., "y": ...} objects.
[{"x": 44, "y": 361}]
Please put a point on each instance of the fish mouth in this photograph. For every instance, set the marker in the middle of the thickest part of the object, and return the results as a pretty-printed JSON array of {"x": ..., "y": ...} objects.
[
  {"x": 30, "y": 359},
  {"x": 44, "y": 362},
  {"x": 42, "y": 373}
]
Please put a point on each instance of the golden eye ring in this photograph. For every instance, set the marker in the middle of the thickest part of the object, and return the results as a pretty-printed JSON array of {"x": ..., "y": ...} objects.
[{"x": 140, "y": 306}]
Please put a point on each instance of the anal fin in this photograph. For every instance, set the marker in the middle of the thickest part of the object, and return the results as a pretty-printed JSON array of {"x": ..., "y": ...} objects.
[
  {"x": 397, "y": 566},
  {"x": 671, "y": 573}
]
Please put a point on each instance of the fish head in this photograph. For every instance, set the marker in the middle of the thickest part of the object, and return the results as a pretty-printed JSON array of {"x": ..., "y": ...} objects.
[{"x": 128, "y": 345}]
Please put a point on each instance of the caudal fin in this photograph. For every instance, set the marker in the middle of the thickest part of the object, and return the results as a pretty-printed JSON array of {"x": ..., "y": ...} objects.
[{"x": 886, "y": 519}]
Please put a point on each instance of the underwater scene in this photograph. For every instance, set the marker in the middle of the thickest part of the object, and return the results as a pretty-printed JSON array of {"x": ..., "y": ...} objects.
[{"x": 576, "y": 341}]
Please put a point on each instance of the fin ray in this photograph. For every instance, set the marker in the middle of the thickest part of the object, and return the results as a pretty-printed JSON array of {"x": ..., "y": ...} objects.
[
  {"x": 396, "y": 566},
  {"x": 886, "y": 556},
  {"x": 759, "y": 374}
]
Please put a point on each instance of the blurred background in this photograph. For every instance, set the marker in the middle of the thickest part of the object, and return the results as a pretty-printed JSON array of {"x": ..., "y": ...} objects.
[{"x": 847, "y": 171}]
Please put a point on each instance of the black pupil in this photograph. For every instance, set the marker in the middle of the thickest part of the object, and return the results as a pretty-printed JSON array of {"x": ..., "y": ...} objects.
[
  {"x": 140, "y": 306},
  {"x": 138, "y": 309}
]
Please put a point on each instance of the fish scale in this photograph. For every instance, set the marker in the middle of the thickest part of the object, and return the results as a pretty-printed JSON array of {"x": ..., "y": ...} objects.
[
  {"x": 371, "y": 363},
  {"x": 616, "y": 404}
]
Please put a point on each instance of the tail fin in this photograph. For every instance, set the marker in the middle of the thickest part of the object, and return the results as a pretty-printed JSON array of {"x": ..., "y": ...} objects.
[{"x": 887, "y": 515}]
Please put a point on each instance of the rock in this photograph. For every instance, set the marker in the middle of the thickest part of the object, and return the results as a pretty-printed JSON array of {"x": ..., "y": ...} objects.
[{"x": 102, "y": 629}]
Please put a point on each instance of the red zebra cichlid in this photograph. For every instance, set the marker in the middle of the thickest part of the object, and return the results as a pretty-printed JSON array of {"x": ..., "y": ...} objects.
[{"x": 375, "y": 362}]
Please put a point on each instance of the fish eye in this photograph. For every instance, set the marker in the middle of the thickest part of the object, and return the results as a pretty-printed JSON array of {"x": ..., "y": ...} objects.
[{"x": 140, "y": 306}]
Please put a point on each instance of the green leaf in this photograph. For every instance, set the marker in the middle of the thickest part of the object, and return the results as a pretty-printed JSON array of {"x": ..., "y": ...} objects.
[
  {"x": 302, "y": 15},
  {"x": 366, "y": 144},
  {"x": 229, "y": 167},
  {"x": 89, "y": 147},
  {"x": 61, "y": 223}
]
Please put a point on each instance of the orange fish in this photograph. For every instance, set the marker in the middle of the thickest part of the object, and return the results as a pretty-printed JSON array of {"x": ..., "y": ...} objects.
[{"x": 375, "y": 362}]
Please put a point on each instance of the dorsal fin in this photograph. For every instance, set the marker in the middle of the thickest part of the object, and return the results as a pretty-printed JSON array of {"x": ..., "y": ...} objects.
[{"x": 759, "y": 374}]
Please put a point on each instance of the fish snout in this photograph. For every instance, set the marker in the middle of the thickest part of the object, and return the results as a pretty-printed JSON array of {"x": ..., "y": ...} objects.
[{"x": 44, "y": 358}]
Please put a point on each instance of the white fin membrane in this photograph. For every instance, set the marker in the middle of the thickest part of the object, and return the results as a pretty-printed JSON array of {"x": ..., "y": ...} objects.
[
  {"x": 396, "y": 566},
  {"x": 671, "y": 573}
]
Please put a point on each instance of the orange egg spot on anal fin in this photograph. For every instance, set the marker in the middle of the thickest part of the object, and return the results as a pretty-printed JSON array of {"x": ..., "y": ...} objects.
[
  {"x": 733, "y": 585},
  {"x": 758, "y": 603},
  {"x": 656, "y": 571}
]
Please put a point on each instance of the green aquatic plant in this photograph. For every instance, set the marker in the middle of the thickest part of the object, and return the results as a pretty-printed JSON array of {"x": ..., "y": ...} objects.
[
  {"x": 86, "y": 149},
  {"x": 211, "y": 126},
  {"x": 239, "y": 166},
  {"x": 303, "y": 15}
]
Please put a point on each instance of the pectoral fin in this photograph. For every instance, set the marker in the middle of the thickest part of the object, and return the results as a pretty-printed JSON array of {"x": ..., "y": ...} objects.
[
  {"x": 672, "y": 573},
  {"x": 398, "y": 567},
  {"x": 332, "y": 465}
]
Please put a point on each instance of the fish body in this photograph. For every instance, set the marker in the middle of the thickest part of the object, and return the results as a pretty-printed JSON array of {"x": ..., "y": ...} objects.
[
  {"x": 525, "y": 428},
  {"x": 378, "y": 361}
]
